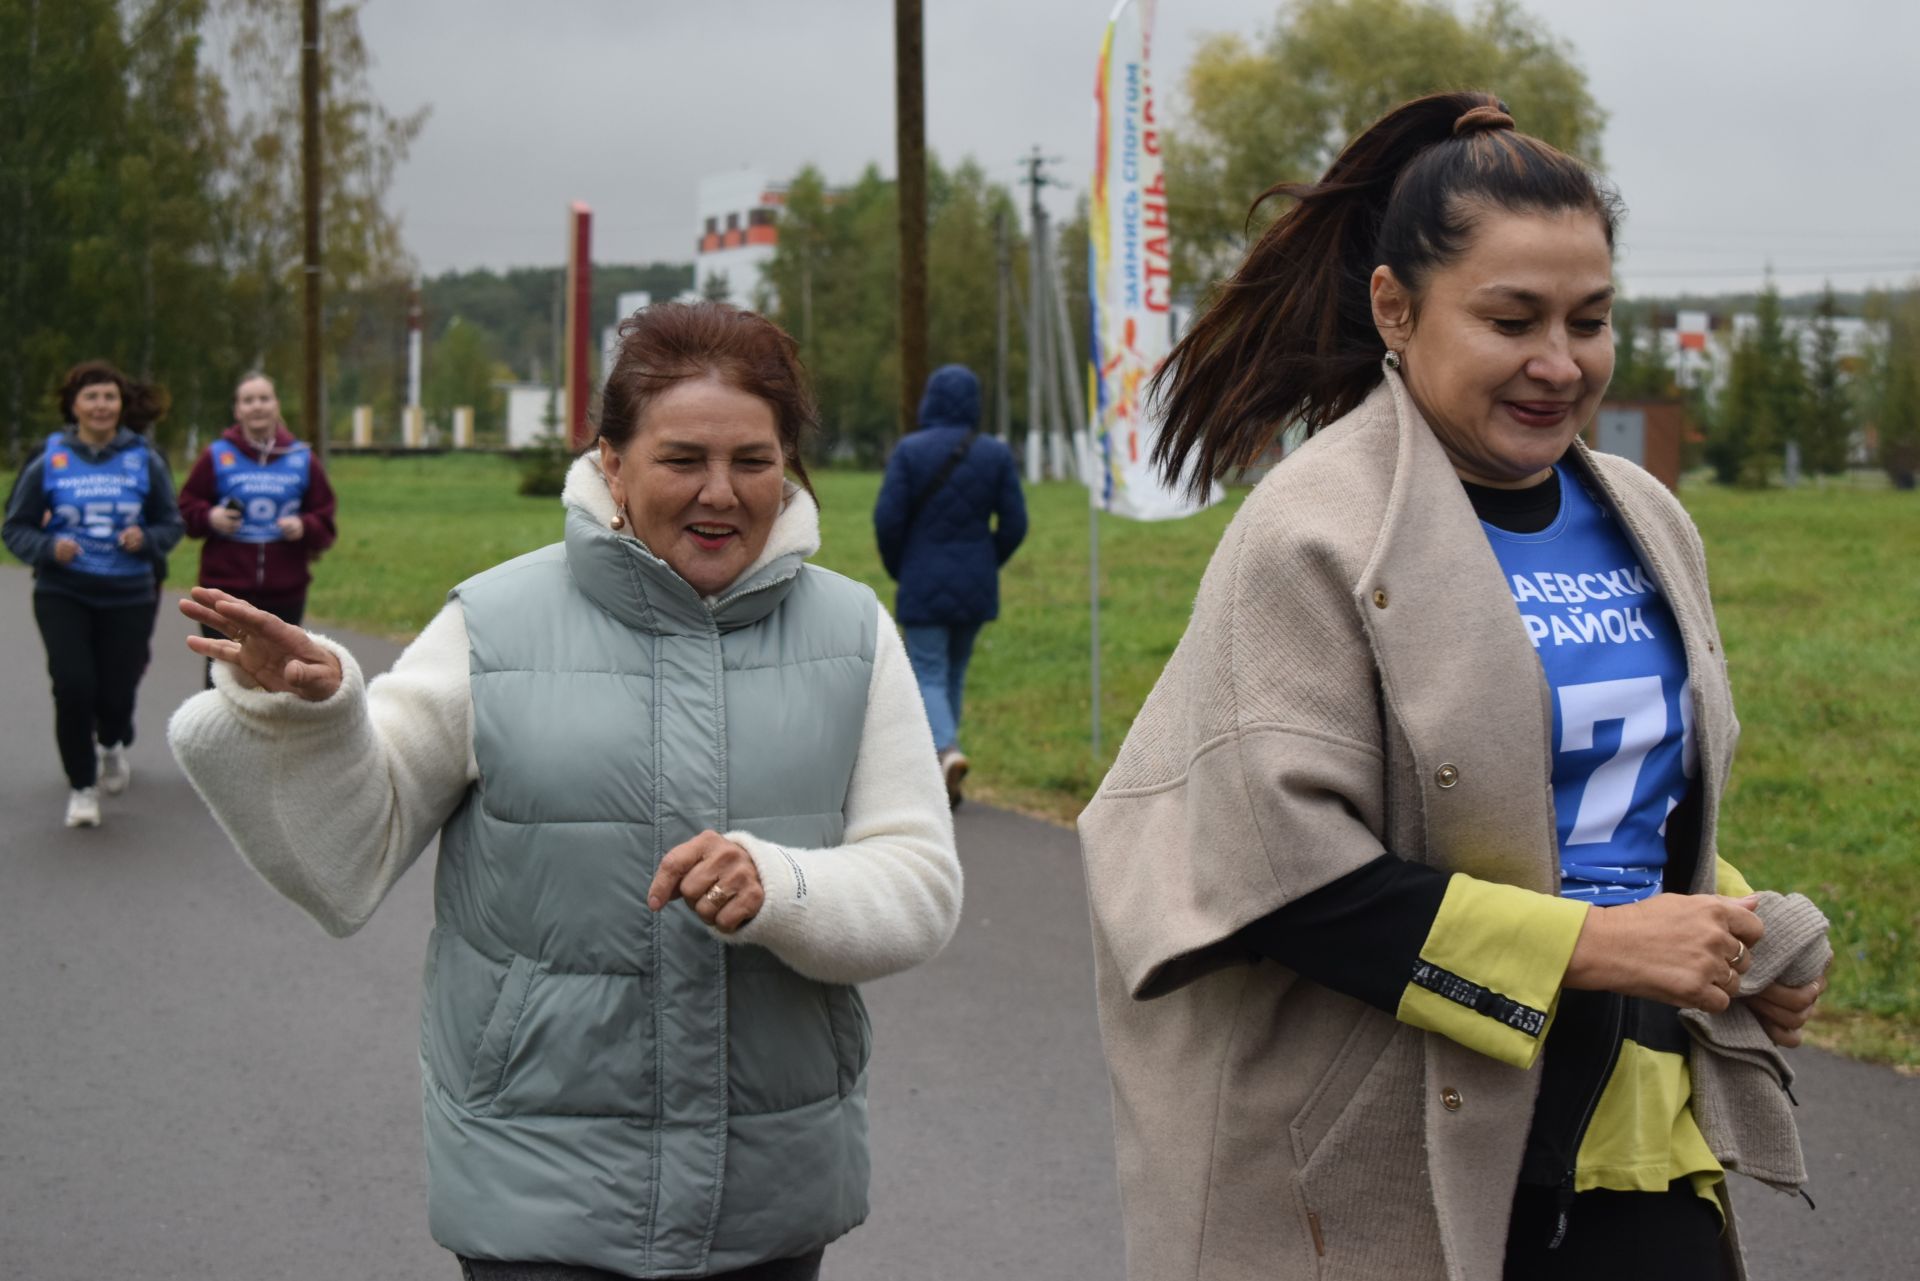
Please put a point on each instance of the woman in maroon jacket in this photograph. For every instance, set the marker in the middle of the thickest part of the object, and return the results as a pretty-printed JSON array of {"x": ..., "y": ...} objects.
[{"x": 261, "y": 500}]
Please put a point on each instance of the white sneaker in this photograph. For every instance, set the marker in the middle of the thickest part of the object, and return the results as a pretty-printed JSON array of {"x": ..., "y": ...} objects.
[
  {"x": 115, "y": 773},
  {"x": 953, "y": 768},
  {"x": 83, "y": 808}
]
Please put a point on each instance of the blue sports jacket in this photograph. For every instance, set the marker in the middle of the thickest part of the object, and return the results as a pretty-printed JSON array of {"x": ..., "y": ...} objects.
[{"x": 945, "y": 549}]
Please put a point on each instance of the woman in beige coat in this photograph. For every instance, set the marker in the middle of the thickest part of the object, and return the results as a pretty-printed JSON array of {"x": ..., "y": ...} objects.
[{"x": 1405, "y": 884}]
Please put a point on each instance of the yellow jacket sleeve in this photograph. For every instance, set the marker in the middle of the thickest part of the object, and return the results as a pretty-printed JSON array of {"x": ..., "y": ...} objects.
[
  {"x": 1489, "y": 972},
  {"x": 1729, "y": 880}
]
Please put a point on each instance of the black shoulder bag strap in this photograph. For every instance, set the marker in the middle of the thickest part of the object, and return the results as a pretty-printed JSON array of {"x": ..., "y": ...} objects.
[{"x": 940, "y": 477}]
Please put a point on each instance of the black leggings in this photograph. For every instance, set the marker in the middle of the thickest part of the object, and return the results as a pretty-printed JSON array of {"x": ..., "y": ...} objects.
[
  {"x": 1616, "y": 1236},
  {"x": 96, "y": 657}
]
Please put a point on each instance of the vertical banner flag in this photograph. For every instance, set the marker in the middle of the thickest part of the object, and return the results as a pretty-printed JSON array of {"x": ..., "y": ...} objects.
[{"x": 1129, "y": 276}]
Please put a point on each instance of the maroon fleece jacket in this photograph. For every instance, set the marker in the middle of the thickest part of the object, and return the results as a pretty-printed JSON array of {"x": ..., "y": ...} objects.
[{"x": 263, "y": 571}]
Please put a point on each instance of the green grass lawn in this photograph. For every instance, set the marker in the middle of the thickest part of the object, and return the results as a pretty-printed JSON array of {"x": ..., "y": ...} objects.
[{"x": 1818, "y": 592}]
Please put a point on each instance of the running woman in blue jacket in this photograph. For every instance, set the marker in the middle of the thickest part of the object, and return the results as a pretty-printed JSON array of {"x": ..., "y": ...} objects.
[{"x": 94, "y": 516}]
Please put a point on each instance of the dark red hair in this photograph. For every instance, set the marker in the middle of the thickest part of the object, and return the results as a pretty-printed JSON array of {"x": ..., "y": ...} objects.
[{"x": 669, "y": 342}]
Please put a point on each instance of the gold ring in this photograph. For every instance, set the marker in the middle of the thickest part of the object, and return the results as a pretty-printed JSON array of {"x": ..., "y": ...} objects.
[
  {"x": 1738, "y": 956},
  {"x": 718, "y": 896}
]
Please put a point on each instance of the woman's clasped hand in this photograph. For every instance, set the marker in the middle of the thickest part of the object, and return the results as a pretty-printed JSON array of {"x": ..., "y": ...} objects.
[
  {"x": 715, "y": 876},
  {"x": 1783, "y": 1009},
  {"x": 1687, "y": 950}
]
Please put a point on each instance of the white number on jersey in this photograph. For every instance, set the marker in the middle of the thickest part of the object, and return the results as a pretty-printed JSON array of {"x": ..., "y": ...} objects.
[{"x": 1640, "y": 704}]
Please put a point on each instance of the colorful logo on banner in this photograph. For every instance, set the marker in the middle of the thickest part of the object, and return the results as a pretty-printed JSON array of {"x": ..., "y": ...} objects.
[{"x": 1130, "y": 274}]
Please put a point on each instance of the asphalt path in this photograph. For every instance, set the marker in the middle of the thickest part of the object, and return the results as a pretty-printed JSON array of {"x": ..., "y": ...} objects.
[{"x": 196, "y": 1083}]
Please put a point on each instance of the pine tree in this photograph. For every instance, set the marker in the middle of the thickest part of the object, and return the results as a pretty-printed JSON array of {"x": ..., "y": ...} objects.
[
  {"x": 1733, "y": 434},
  {"x": 1626, "y": 354},
  {"x": 1895, "y": 394},
  {"x": 1640, "y": 369},
  {"x": 1764, "y": 404},
  {"x": 1828, "y": 430}
]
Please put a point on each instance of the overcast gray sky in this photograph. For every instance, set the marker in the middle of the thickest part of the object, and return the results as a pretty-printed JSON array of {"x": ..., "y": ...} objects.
[{"x": 1742, "y": 132}]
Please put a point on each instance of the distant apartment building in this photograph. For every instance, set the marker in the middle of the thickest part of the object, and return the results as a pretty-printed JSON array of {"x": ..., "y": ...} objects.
[
  {"x": 1698, "y": 346},
  {"x": 739, "y": 229}
]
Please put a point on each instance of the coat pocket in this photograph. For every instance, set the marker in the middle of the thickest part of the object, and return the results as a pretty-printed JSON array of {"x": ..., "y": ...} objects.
[
  {"x": 1340, "y": 1084},
  {"x": 471, "y": 1005},
  {"x": 852, "y": 1035},
  {"x": 427, "y": 969},
  {"x": 496, "y": 1042},
  {"x": 1366, "y": 1186}
]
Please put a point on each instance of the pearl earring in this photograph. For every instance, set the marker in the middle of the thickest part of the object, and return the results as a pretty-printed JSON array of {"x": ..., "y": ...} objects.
[{"x": 619, "y": 520}]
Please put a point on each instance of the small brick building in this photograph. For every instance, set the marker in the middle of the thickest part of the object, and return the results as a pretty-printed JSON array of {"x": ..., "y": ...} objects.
[{"x": 1648, "y": 432}]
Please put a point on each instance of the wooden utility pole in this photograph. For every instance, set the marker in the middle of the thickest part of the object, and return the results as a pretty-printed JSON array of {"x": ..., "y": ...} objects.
[
  {"x": 1037, "y": 378},
  {"x": 1003, "y": 259},
  {"x": 579, "y": 326},
  {"x": 910, "y": 117},
  {"x": 311, "y": 406}
]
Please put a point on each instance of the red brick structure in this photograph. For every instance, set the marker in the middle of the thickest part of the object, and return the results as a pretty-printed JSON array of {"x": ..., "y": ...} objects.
[{"x": 1648, "y": 432}]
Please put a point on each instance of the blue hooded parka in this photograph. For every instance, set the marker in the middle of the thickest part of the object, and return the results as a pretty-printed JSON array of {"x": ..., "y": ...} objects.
[{"x": 945, "y": 549}]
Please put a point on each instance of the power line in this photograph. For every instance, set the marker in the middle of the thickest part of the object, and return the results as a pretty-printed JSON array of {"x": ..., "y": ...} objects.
[{"x": 1675, "y": 272}]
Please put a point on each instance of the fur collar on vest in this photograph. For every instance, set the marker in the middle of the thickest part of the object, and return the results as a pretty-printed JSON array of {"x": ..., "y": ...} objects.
[{"x": 795, "y": 529}]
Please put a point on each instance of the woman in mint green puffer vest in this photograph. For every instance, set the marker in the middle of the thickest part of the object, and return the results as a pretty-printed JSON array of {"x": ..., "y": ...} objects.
[{"x": 686, "y": 800}]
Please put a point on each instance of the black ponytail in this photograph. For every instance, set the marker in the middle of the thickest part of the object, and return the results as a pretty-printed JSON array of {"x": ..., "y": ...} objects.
[{"x": 1289, "y": 337}]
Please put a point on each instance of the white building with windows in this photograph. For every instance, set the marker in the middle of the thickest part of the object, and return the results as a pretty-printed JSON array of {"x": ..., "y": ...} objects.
[
  {"x": 1699, "y": 346},
  {"x": 739, "y": 228}
]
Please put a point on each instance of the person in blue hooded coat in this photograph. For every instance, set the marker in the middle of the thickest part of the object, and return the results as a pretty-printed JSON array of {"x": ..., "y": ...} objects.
[{"x": 949, "y": 515}]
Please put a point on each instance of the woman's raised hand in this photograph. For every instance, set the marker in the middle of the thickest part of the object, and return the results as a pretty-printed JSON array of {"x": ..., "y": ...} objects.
[
  {"x": 1687, "y": 950},
  {"x": 717, "y": 878},
  {"x": 264, "y": 651}
]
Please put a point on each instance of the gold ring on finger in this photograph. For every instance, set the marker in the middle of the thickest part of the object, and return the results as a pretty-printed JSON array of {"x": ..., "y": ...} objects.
[
  {"x": 717, "y": 896},
  {"x": 1740, "y": 955}
]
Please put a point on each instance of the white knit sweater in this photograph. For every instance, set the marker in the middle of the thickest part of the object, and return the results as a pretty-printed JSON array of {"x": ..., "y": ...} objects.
[{"x": 331, "y": 802}]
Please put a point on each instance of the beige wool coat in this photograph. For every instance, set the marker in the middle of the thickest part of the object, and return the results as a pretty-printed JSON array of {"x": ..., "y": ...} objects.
[{"x": 1355, "y": 679}]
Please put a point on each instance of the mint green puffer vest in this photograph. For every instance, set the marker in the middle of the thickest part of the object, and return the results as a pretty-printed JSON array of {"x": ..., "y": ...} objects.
[{"x": 605, "y": 1085}]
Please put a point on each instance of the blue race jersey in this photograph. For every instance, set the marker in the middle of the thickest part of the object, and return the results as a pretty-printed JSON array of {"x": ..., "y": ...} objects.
[
  {"x": 93, "y": 501},
  {"x": 1623, "y": 745},
  {"x": 267, "y": 491}
]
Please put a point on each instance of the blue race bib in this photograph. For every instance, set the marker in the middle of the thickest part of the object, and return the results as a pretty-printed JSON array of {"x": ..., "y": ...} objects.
[
  {"x": 266, "y": 491},
  {"x": 92, "y": 502}
]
